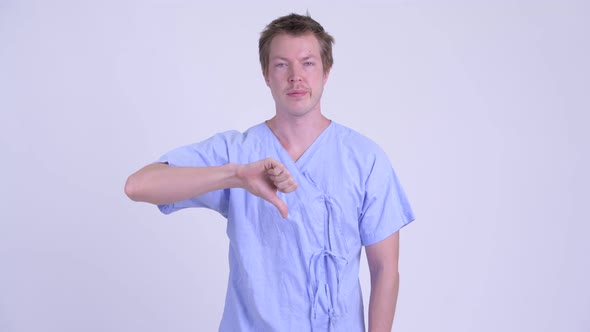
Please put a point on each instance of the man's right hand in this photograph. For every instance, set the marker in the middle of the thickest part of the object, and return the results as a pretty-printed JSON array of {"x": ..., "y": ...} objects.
[
  {"x": 162, "y": 184},
  {"x": 263, "y": 178}
]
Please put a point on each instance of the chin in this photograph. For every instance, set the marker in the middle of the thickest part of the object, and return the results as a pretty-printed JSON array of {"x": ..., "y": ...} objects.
[
  {"x": 297, "y": 109},
  {"x": 298, "y": 112}
]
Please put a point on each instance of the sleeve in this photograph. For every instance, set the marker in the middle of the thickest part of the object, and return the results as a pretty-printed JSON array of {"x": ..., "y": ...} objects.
[
  {"x": 385, "y": 207},
  {"x": 214, "y": 151}
]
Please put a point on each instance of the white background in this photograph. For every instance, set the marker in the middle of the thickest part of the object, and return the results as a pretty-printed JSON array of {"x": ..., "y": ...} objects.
[{"x": 481, "y": 106}]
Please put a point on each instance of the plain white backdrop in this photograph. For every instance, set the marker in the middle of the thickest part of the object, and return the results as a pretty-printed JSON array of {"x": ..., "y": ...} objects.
[{"x": 481, "y": 106}]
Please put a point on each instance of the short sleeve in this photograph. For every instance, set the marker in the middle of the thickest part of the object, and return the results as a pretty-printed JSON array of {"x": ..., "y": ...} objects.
[
  {"x": 385, "y": 207},
  {"x": 214, "y": 151}
]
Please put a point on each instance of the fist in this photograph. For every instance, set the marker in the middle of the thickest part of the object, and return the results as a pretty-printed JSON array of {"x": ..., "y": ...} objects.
[{"x": 264, "y": 178}]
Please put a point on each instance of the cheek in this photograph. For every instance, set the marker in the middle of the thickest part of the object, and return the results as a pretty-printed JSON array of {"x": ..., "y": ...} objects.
[
  {"x": 319, "y": 80},
  {"x": 274, "y": 79},
  {"x": 274, "y": 85}
]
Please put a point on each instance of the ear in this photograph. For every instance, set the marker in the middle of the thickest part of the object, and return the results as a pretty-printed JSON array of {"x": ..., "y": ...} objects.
[
  {"x": 266, "y": 80},
  {"x": 326, "y": 75}
]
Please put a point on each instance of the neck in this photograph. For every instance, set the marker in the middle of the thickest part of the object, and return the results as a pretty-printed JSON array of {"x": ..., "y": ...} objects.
[{"x": 296, "y": 134}]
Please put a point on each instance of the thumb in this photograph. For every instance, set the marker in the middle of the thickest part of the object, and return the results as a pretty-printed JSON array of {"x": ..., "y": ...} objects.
[{"x": 280, "y": 205}]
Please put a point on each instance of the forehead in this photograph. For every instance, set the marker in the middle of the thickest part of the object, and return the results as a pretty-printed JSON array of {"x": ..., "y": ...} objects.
[{"x": 287, "y": 45}]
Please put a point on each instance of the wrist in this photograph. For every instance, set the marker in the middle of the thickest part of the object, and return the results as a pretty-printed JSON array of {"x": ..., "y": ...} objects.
[{"x": 234, "y": 175}]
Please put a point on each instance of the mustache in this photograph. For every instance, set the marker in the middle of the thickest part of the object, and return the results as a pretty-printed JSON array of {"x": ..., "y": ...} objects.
[{"x": 297, "y": 88}]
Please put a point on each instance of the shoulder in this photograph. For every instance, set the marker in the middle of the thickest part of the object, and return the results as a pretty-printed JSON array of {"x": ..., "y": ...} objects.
[
  {"x": 235, "y": 137},
  {"x": 220, "y": 147},
  {"x": 356, "y": 143}
]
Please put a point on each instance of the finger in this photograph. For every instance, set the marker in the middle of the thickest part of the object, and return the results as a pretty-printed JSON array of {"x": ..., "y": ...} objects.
[
  {"x": 282, "y": 176},
  {"x": 276, "y": 171},
  {"x": 280, "y": 205},
  {"x": 275, "y": 168},
  {"x": 286, "y": 186},
  {"x": 291, "y": 188}
]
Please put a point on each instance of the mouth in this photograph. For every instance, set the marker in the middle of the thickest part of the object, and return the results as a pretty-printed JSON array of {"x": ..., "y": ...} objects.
[{"x": 296, "y": 93}]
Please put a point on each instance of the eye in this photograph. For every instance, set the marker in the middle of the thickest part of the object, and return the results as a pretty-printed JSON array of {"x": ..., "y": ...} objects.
[
  {"x": 308, "y": 63},
  {"x": 281, "y": 65}
]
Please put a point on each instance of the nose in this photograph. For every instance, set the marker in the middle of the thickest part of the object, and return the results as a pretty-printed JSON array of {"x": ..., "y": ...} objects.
[{"x": 295, "y": 74}]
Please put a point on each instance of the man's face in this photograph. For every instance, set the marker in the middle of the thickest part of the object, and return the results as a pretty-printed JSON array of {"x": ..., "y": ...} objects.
[{"x": 296, "y": 74}]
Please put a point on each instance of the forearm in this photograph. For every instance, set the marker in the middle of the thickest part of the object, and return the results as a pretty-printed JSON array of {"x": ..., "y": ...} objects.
[
  {"x": 163, "y": 184},
  {"x": 382, "y": 303}
]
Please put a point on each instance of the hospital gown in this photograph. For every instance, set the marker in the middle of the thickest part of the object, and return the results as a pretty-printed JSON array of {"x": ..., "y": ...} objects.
[{"x": 299, "y": 273}]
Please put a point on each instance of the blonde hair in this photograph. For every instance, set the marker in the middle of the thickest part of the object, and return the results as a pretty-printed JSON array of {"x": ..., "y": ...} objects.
[{"x": 296, "y": 25}]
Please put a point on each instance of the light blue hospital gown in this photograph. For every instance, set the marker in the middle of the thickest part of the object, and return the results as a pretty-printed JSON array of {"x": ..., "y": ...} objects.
[{"x": 300, "y": 273}]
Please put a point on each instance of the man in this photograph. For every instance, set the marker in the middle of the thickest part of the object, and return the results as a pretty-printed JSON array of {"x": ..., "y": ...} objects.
[{"x": 301, "y": 195}]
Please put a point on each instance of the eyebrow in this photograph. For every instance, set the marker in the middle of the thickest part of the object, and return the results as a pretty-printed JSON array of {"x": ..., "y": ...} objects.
[
  {"x": 302, "y": 59},
  {"x": 308, "y": 57}
]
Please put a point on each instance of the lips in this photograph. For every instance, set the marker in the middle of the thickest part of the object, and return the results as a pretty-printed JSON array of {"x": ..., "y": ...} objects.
[{"x": 297, "y": 93}]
